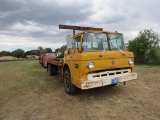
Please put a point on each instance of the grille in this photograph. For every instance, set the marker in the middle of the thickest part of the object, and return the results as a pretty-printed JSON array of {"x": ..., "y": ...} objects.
[{"x": 110, "y": 73}]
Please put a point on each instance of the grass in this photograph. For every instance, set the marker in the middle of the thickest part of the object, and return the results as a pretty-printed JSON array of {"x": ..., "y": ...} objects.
[
  {"x": 137, "y": 99},
  {"x": 20, "y": 77}
]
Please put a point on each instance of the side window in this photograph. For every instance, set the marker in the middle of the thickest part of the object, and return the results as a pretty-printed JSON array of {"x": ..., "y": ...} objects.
[{"x": 76, "y": 42}]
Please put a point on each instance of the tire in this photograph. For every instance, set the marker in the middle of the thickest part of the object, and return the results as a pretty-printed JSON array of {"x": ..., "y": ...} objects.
[
  {"x": 54, "y": 69},
  {"x": 69, "y": 87},
  {"x": 50, "y": 69}
]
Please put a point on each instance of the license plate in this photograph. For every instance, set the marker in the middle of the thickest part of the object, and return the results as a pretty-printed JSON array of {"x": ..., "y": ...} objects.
[{"x": 115, "y": 81}]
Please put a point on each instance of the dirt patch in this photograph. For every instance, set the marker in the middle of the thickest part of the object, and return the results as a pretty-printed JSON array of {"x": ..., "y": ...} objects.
[{"x": 8, "y": 58}]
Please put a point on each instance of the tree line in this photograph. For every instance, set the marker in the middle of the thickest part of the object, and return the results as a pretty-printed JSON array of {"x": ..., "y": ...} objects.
[
  {"x": 146, "y": 47},
  {"x": 20, "y": 53}
]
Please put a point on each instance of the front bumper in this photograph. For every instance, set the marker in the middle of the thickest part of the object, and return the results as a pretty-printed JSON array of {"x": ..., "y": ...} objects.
[{"x": 107, "y": 78}]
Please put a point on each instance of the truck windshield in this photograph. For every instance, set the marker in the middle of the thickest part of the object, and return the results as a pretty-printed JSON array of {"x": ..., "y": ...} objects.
[
  {"x": 96, "y": 41},
  {"x": 116, "y": 42},
  {"x": 50, "y": 54}
]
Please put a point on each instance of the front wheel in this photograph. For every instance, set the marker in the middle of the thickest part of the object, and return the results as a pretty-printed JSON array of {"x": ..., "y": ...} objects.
[{"x": 69, "y": 87}]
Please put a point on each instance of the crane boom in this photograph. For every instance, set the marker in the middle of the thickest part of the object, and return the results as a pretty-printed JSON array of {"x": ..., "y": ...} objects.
[{"x": 78, "y": 28}]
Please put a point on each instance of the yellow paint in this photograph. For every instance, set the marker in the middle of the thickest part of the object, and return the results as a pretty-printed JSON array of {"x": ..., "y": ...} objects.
[{"x": 74, "y": 57}]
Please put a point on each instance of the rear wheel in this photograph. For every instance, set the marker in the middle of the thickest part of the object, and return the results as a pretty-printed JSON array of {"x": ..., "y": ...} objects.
[
  {"x": 50, "y": 70},
  {"x": 69, "y": 87},
  {"x": 54, "y": 68}
]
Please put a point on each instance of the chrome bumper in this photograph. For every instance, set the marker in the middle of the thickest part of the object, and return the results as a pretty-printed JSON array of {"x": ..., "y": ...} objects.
[{"x": 107, "y": 78}]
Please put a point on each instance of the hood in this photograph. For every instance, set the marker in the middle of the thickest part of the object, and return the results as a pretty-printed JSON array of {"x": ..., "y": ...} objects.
[
  {"x": 111, "y": 60},
  {"x": 98, "y": 55}
]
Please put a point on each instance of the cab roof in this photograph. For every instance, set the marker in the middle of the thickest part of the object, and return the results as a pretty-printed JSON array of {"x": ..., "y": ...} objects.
[{"x": 92, "y": 31}]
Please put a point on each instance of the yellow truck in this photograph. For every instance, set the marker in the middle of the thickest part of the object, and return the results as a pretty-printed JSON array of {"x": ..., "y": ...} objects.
[{"x": 94, "y": 58}]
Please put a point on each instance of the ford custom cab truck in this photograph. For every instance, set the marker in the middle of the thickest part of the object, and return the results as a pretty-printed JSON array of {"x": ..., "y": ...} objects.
[{"x": 94, "y": 58}]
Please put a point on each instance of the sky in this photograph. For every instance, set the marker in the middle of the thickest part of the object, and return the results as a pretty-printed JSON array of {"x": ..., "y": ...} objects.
[{"x": 28, "y": 24}]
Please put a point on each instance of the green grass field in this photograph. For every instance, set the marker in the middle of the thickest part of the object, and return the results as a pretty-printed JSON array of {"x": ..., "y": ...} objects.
[
  {"x": 28, "y": 92},
  {"x": 20, "y": 77}
]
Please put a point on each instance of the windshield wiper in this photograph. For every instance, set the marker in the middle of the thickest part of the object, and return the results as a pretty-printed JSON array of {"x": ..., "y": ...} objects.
[{"x": 121, "y": 51}]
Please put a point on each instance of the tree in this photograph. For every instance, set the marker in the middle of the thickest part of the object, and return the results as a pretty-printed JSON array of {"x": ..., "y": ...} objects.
[
  {"x": 49, "y": 49},
  {"x": 28, "y": 53},
  {"x": 58, "y": 49},
  {"x": 18, "y": 53},
  {"x": 144, "y": 46},
  {"x": 61, "y": 49},
  {"x": 39, "y": 49},
  {"x": 44, "y": 50},
  {"x": 35, "y": 52},
  {"x": 5, "y": 53}
]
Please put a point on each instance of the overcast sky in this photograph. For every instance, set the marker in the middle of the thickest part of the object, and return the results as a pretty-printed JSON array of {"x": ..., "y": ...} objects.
[{"x": 27, "y": 24}]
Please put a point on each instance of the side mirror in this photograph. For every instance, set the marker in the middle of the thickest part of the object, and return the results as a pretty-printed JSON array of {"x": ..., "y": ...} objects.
[{"x": 69, "y": 41}]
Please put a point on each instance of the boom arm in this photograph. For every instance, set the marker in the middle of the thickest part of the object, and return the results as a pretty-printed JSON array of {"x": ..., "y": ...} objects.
[{"x": 78, "y": 28}]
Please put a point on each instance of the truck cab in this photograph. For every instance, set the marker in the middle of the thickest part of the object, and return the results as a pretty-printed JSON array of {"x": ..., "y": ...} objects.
[
  {"x": 95, "y": 59},
  {"x": 45, "y": 57}
]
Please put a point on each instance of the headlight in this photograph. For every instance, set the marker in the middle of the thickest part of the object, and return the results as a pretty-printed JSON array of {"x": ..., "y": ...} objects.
[
  {"x": 130, "y": 61},
  {"x": 90, "y": 65}
]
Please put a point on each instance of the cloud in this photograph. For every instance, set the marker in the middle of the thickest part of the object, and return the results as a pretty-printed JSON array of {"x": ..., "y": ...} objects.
[
  {"x": 28, "y": 24},
  {"x": 12, "y": 43},
  {"x": 44, "y": 12}
]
